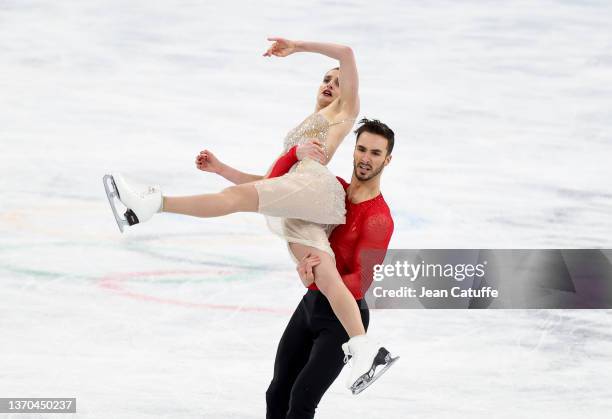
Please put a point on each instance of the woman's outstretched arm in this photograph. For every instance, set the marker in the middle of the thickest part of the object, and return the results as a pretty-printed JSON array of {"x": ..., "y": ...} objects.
[
  {"x": 349, "y": 78},
  {"x": 208, "y": 162}
]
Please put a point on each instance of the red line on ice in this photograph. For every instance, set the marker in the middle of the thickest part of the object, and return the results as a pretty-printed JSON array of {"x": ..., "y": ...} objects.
[{"x": 114, "y": 283}]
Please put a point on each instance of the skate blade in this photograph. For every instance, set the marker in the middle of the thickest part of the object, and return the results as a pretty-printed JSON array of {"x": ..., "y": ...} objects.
[
  {"x": 366, "y": 380},
  {"x": 111, "y": 194}
]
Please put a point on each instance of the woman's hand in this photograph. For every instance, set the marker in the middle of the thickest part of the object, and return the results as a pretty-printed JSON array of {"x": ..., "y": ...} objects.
[
  {"x": 304, "y": 268},
  {"x": 281, "y": 47},
  {"x": 207, "y": 162},
  {"x": 312, "y": 149}
]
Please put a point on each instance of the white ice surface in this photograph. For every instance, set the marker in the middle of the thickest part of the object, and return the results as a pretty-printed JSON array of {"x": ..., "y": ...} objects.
[{"x": 503, "y": 117}]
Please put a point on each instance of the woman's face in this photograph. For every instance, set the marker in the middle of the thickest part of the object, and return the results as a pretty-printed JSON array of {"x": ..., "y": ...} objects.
[{"x": 329, "y": 90}]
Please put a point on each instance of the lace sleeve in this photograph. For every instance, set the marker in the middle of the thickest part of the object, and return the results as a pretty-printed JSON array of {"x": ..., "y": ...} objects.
[{"x": 374, "y": 236}]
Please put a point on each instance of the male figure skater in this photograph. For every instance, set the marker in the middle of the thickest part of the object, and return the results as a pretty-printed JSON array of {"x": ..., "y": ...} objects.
[{"x": 308, "y": 358}]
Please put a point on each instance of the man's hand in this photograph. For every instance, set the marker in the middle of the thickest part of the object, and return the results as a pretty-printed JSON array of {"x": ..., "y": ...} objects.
[
  {"x": 207, "y": 162},
  {"x": 304, "y": 268},
  {"x": 312, "y": 149}
]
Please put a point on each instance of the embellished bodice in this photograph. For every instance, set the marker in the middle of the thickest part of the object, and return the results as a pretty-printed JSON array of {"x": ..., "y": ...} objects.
[
  {"x": 316, "y": 127},
  {"x": 307, "y": 194},
  {"x": 313, "y": 127}
]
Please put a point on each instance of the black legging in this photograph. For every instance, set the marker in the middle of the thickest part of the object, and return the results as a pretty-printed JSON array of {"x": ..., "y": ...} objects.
[{"x": 308, "y": 359}]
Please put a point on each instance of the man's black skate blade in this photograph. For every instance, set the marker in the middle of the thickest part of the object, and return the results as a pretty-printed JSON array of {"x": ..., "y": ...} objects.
[
  {"x": 364, "y": 382},
  {"x": 111, "y": 193}
]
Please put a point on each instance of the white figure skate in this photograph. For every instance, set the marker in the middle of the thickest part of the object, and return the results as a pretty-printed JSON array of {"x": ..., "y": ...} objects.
[
  {"x": 140, "y": 205},
  {"x": 365, "y": 357}
]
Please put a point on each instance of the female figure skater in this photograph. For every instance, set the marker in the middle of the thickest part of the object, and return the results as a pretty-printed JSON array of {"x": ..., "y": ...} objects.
[{"x": 308, "y": 200}]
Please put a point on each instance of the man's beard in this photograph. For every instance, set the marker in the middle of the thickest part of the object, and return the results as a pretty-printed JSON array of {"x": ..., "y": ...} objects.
[{"x": 373, "y": 172}]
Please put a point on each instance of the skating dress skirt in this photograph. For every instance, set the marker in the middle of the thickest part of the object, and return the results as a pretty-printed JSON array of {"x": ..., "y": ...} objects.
[{"x": 305, "y": 204}]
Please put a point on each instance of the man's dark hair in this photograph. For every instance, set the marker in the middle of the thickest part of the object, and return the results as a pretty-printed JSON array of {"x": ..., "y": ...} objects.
[{"x": 374, "y": 126}]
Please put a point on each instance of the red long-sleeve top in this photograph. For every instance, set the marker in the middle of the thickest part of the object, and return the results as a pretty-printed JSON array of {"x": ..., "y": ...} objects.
[{"x": 358, "y": 244}]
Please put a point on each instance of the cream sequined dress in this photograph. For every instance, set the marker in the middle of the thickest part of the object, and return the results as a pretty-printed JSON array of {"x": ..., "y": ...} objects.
[{"x": 304, "y": 205}]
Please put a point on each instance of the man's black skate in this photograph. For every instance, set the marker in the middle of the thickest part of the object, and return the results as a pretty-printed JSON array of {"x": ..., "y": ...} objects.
[{"x": 384, "y": 359}]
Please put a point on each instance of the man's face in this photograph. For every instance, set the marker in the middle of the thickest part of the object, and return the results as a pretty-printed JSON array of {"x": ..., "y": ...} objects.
[{"x": 370, "y": 156}]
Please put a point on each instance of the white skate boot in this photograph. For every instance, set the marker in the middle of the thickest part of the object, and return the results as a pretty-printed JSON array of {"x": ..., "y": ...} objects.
[
  {"x": 365, "y": 357},
  {"x": 140, "y": 205}
]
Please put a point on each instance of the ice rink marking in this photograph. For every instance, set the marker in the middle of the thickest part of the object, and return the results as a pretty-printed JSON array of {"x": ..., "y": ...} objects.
[{"x": 115, "y": 283}]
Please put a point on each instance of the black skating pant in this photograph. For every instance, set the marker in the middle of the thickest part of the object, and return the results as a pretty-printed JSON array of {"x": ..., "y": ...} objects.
[{"x": 308, "y": 359}]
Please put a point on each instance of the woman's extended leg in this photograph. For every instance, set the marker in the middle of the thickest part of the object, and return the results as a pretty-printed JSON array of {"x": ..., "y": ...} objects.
[
  {"x": 239, "y": 198},
  {"x": 330, "y": 283}
]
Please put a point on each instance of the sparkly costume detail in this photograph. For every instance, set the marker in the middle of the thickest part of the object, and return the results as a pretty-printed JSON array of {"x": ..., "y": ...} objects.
[
  {"x": 313, "y": 127},
  {"x": 304, "y": 205}
]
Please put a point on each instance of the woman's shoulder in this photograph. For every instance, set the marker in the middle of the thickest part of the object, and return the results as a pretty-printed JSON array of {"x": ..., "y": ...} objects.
[{"x": 341, "y": 119}]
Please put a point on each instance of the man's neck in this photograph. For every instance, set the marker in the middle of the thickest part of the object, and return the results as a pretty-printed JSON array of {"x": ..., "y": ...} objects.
[{"x": 363, "y": 190}]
